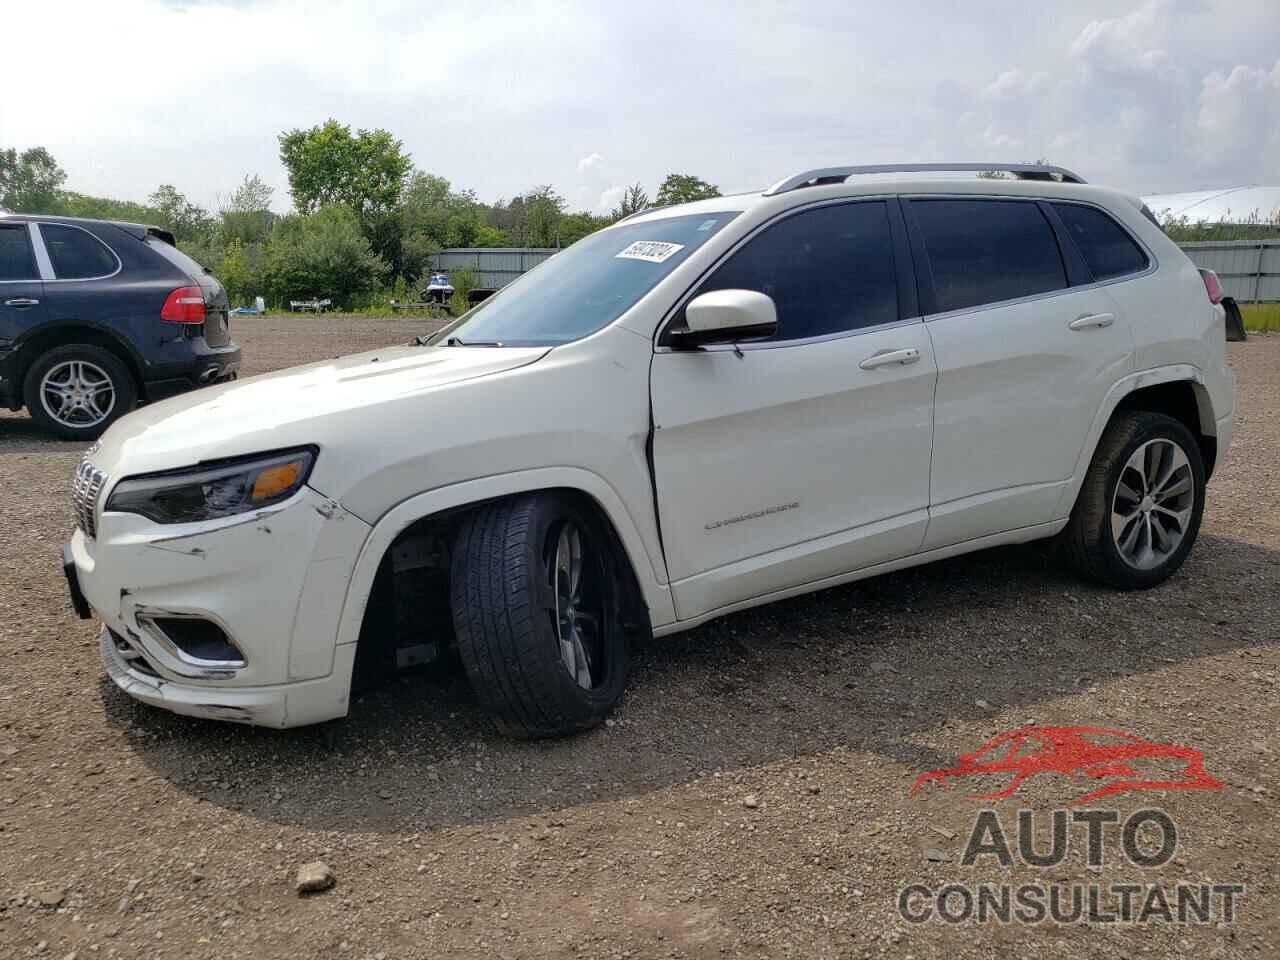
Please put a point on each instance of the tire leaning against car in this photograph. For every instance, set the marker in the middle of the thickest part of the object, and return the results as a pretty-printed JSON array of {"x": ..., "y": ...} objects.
[
  {"x": 124, "y": 392},
  {"x": 1101, "y": 521},
  {"x": 515, "y": 613}
]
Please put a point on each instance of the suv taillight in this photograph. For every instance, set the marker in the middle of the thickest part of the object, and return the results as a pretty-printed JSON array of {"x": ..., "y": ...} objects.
[
  {"x": 184, "y": 305},
  {"x": 1212, "y": 285}
]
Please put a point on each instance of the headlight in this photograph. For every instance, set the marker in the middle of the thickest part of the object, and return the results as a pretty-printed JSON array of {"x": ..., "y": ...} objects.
[{"x": 217, "y": 489}]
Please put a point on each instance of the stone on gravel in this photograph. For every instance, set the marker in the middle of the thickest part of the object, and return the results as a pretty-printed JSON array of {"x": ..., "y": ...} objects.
[
  {"x": 751, "y": 801},
  {"x": 314, "y": 877}
]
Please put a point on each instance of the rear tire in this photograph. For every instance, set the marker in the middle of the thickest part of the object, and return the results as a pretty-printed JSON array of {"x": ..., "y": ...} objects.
[
  {"x": 537, "y": 602},
  {"x": 1138, "y": 513},
  {"x": 78, "y": 390}
]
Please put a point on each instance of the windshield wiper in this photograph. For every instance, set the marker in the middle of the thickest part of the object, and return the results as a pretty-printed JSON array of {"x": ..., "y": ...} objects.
[{"x": 459, "y": 342}]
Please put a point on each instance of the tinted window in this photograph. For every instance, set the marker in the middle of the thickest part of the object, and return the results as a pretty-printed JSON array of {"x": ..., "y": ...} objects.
[
  {"x": 828, "y": 270},
  {"x": 1106, "y": 248},
  {"x": 76, "y": 254},
  {"x": 585, "y": 287},
  {"x": 16, "y": 261},
  {"x": 984, "y": 251}
]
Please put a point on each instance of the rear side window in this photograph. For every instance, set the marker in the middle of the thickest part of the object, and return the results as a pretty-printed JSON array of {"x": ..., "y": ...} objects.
[
  {"x": 16, "y": 260},
  {"x": 828, "y": 270},
  {"x": 1106, "y": 247},
  {"x": 77, "y": 254},
  {"x": 985, "y": 251}
]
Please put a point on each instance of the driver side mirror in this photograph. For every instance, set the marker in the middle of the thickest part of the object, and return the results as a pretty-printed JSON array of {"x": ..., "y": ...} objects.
[{"x": 726, "y": 316}]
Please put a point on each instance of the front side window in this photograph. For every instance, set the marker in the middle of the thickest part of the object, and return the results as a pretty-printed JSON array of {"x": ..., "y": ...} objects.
[
  {"x": 16, "y": 260},
  {"x": 1106, "y": 247},
  {"x": 828, "y": 270},
  {"x": 584, "y": 288},
  {"x": 984, "y": 251},
  {"x": 76, "y": 254}
]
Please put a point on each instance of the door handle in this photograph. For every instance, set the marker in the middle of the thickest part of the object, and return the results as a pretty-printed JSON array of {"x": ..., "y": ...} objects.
[
  {"x": 1092, "y": 320},
  {"x": 21, "y": 302},
  {"x": 886, "y": 357}
]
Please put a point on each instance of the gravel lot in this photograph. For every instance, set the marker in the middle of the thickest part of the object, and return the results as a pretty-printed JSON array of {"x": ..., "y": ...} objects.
[{"x": 750, "y": 798}]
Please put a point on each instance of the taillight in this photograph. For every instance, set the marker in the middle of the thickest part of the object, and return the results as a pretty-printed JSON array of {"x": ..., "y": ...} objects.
[
  {"x": 1212, "y": 285},
  {"x": 184, "y": 305}
]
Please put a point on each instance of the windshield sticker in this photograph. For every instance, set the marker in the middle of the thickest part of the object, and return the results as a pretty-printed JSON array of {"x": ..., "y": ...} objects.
[
  {"x": 651, "y": 251},
  {"x": 706, "y": 225}
]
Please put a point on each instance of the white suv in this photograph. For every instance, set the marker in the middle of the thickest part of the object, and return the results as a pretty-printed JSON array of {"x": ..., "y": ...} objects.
[{"x": 697, "y": 410}]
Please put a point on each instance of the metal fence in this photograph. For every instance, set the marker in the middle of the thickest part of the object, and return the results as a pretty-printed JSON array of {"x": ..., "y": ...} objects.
[
  {"x": 1249, "y": 269},
  {"x": 496, "y": 266}
]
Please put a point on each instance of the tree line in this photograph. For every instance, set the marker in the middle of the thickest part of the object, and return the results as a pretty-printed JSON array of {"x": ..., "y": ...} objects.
[{"x": 364, "y": 225}]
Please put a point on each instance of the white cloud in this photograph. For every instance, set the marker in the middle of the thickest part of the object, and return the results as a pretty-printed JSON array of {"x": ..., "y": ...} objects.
[
  {"x": 609, "y": 198},
  {"x": 1145, "y": 94}
]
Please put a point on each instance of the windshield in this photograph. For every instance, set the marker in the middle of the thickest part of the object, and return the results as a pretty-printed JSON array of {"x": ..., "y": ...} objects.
[{"x": 585, "y": 287}]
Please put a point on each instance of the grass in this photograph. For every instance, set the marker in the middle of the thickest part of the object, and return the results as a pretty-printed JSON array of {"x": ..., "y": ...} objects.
[{"x": 1261, "y": 317}]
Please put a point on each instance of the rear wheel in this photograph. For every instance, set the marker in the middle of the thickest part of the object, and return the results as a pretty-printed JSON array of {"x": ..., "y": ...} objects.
[
  {"x": 1139, "y": 511},
  {"x": 76, "y": 391},
  {"x": 537, "y": 609}
]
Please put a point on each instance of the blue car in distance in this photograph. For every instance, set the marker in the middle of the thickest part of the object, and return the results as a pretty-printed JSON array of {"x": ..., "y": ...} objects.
[{"x": 97, "y": 316}]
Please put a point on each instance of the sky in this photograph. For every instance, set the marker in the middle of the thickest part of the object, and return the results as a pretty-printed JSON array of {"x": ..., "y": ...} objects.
[{"x": 1149, "y": 96}]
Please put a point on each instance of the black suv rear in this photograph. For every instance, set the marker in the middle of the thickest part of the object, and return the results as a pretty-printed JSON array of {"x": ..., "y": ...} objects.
[{"x": 96, "y": 316}]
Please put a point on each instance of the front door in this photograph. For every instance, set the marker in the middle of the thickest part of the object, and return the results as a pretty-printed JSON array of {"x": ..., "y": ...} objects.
[
  {"x": 805, "y": 456},
  {"x": 21, "y": 291}
]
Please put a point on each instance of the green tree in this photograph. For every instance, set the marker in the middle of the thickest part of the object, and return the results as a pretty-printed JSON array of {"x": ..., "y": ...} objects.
[
  {"x": 246, "y": 215},
  {"x": 323, "y": 254},
  {"x": 72, "y": 204},
  {"x": 684, "y": 188},
  {"x": 327, "y": 165},
  {"x": 30, "y": 181},
  {"x": 176, "y": 213},
  {"x": 634, "y": 199},
  {"x": 575, "y": 226}
]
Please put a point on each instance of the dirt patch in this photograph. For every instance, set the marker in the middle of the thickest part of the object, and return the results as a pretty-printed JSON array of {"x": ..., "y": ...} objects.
[{"x": 125, "y": 831}]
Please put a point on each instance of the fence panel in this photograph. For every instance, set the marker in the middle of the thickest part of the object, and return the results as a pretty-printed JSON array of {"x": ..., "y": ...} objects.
[{"x": 1249, "y": 269}]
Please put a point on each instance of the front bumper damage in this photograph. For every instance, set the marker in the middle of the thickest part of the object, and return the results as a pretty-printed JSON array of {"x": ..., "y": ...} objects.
[{"x": 273, "y": 582}]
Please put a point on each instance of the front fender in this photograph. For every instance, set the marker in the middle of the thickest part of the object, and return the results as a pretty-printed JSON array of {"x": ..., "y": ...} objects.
[{"x": 650, "y": 571}]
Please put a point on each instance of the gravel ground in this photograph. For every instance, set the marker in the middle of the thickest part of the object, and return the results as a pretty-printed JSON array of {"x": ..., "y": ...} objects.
[{"x": 750, "y": 797}]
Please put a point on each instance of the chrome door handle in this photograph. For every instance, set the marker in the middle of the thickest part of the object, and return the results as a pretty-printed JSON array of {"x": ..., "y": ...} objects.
[
  {"x": 886, "y": 357},
  {"x": 21, "y": 302},
  {"x": 1092, "y": 320}
]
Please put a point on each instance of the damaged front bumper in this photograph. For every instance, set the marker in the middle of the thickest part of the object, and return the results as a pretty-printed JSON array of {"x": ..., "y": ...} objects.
[{"x": 233, "y": 619}]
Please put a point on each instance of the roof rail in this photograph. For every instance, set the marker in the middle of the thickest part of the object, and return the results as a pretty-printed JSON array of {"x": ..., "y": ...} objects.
[{"x": 827, "y": 175}]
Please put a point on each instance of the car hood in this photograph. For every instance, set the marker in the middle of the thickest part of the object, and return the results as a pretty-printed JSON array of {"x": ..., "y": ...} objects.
[{"x": 310, "y": 404}]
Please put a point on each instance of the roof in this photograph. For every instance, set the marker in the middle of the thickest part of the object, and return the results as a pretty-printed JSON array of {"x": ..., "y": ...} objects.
[
  {"x": 1225, "y": 205},
  {"x": 137, "y": 230}
]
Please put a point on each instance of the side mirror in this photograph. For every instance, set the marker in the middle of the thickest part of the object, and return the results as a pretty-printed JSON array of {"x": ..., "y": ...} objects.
[{"x": 726, "y": 316}]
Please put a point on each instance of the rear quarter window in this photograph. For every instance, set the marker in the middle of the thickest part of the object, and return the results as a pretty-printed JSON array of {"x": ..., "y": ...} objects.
[
  {"x": 77, "y": 254},
  {"x": 1105, "y": 245},
  {"x": 176, "y": 257}
]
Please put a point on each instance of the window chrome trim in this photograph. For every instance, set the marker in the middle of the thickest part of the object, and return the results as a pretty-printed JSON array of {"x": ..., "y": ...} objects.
[
  {"x": 1153, "y": 263},
  {"x": 43, "y": 264},
  {"x": 746, "y": 345},
  {"x": 43, "y": 259},
  {"x": 683, "y": 300}
]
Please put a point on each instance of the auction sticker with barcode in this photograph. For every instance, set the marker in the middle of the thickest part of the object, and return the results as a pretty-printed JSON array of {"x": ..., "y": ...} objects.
[{"x": 654, "y": 251}]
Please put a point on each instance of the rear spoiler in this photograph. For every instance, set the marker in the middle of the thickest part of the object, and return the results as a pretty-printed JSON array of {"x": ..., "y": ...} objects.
[{"x": 159, "y": 234}]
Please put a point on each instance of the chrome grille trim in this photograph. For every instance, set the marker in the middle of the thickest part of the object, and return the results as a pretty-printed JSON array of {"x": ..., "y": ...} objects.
[{"x": 85, "y": 490}]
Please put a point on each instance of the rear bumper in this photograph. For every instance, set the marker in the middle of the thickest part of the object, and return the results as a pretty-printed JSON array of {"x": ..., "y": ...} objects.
[{"x": 206, "y": 365}]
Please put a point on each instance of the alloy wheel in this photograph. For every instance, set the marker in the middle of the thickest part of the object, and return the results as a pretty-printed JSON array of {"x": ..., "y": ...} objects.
[
  {"x": 1153, "y": 504},
  {"x": 77, "y": 393},
  {"x": 575, "y": 574}
]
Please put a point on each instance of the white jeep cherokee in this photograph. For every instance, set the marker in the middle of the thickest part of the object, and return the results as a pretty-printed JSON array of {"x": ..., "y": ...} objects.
[{"x": 696, "y": 410}]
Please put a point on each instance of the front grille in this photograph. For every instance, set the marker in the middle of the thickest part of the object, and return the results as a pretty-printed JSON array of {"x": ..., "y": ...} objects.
[{"x": 84, "y": 496}]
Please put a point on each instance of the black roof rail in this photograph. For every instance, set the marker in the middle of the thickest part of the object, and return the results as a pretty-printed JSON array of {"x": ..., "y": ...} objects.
[{"x": 827, "y": 175}]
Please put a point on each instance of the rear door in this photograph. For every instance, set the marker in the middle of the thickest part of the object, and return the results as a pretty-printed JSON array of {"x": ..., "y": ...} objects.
[
  {"x": 806, "y": 456},
  {"x": 1027, "y": 347},
  {"x": 22, "y": 304}
]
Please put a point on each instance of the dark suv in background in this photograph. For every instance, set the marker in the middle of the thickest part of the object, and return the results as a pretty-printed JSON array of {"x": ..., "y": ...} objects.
[{"x": 97, "y": 316}]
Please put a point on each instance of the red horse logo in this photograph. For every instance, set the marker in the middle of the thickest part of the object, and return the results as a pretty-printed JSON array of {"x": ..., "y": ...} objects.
[{"x": 1078, "y": 752}]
